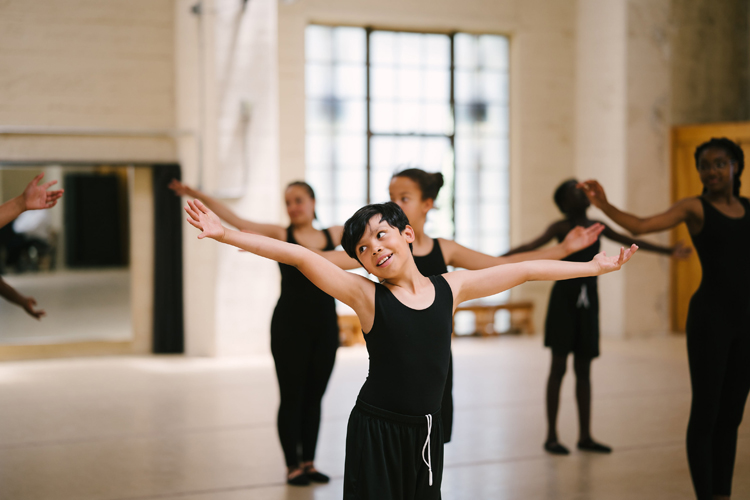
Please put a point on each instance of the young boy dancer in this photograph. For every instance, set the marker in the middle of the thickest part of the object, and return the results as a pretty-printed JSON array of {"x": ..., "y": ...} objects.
[{"x": 394, "y": 448}]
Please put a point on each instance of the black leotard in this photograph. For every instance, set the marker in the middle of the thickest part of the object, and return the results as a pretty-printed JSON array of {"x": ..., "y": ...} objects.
[
  {"x": 433, "y": 264},
  {"x": 718, "y": 341},
  {"x": 304, "y": 339},
  {"x": 572, "y": 323},
  {"x": 409, "y": 352}
]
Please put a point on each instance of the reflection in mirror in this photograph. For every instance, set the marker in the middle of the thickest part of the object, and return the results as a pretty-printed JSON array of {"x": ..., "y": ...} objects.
[{"x": 73, "y": 259}]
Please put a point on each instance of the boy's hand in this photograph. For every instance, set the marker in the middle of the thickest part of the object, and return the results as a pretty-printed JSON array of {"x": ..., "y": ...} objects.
[
  {"x": 609, "y": 264},
  {"x": 28, "y": 306},
  {"x": 37, "y": 197},
  {"x": 594, "y": 192},
  {"x": 179, "y": 188},
  {"x": 205, "y": 220},
  {"x": 680, "y": 251},
  {"x": 582, "y": 237}
]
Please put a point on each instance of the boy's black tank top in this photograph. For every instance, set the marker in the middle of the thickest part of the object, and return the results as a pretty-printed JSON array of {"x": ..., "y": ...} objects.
[
  {"x": 432, "y": 264},
  {"x": 722, "y": 246},
  {"x": 409, "y": 352},
  {"x": 297, "y": 289}
]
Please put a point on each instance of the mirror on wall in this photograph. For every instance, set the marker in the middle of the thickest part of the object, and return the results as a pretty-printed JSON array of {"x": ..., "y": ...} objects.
[{"x": 73, "y": 259}]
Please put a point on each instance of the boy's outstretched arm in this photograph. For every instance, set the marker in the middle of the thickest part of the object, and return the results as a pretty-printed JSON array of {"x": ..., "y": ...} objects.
[
  {"x": 339, "y": 258},
  {"x": 468, "y": 285},
  {"x": 34, "y": 197},
  {"x": 27, "y": 303},
  {"x": 351, "y": 289},
  {"x": 577, "y": 239}
]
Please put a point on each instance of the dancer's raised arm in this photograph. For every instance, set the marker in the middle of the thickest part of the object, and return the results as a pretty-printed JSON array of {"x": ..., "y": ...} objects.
[
  {"x": 227, "y": 214},
  {"x": 34, "y": 197},
  {"x": 577, "y": 239},
  {"x": 14, "y": 297},
  {"x": 459, "y": 256},
  {"x": 351, "y": 289},
  {"x": 468, "y": 285},
  {"x": 688, "y": 210}
]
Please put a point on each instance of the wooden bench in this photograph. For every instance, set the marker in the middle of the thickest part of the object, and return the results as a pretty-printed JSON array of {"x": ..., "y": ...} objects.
[
  {"x": 350, "y": 331},
  {"x": 521, "y": 317},
  {"x": 521, "y": 320}
]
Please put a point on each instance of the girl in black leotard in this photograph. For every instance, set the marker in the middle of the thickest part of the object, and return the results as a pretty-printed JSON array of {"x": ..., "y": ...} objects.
[
  {"x": 415, "y": 191},
  {"x": 718, "y": 323},
  {"x": 572, "y": 324},
  {"x": 394, "y": 437},
  {"x": 304, "y": 329}
]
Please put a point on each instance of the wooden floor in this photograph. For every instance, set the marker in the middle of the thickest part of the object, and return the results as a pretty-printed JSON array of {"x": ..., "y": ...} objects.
[{"x": 172, "y": 428}]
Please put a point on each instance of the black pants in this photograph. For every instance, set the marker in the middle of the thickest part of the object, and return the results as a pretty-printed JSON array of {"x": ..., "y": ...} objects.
[
  {"x": 718, "y": 344},
  {"x": 304, "y": 356},
  {"x": 384, "y": 458}
]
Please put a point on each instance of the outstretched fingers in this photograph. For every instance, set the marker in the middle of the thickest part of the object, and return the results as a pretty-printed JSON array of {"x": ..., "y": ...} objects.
[{"x": 626, "y": 254}]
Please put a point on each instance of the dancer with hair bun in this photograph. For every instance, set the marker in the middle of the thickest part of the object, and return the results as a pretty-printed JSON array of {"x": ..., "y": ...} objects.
[
  {"x": 718, "y": 322},
  {"x": 304, "y": 328}
]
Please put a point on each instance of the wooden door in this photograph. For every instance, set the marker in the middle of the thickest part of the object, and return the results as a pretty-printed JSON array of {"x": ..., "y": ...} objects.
[{"x": 686, "y": 274}]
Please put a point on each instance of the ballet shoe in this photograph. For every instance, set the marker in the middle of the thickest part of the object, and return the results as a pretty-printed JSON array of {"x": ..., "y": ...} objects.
[
  {"x": 556, "y": 448},
  {"x": 316, "y": 477},
  {"x": 301, "y": 479},
  {"x": 593, "y": 446}
]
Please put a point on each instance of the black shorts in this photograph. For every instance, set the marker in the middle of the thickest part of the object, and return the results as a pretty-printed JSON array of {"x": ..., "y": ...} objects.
[{"x": 384, "y": 456}]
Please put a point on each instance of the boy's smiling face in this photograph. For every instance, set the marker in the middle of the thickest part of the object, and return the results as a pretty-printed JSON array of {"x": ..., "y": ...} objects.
[{"x": 383, "y": 250}]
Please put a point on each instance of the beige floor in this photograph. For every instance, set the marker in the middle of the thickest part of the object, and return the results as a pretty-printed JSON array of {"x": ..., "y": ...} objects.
[{"x": 172, "y": 428}]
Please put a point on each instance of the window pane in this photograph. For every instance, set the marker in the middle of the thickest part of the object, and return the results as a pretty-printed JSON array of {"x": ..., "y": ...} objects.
[
  {"x": 409, "y": 49},
  {"x": 437, "y": 50},
  {"x": 318, "y": 46},
  {"x": 383, "y": 48},
  {"x": 349, "y": 45},
  {"x": 494, "y": 86},
  {"x": 318, "y": 153},
  {"x": 409, "y": 84},
  {"x": 437, "y": 85},
  {"x": 351, "y": 116},
  {"x": 494, "y": 52},
  {"x": 350, "y": 81},
  {"x": 350, "y": 150},
  {"x": 383, "y": 116},
  {"x": 465, "y": 50},
  {"x": 318, "y": 80},
  {"x": 383, "y": 82}
]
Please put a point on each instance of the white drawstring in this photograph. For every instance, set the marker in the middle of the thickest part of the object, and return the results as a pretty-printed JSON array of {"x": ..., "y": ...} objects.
[
  {"x": 427, "y": 447},
  {"x": 583, "y": 298}
]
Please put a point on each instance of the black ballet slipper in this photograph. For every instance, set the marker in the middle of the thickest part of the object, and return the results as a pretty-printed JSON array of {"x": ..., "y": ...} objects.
[
  {"x": 556, "y": 448},
  {"x": 316, "y": 477},
  {"x": 299, "y": 480},
  {"x": 593, "y": 446}
]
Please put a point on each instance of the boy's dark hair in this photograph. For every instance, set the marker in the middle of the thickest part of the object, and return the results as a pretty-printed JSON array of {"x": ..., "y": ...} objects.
[
  {"x": 733, "y": 151},
  {"x": 429, "y": 183},
  {"x": 561, "y": 194},
  {"x": 355, "y": 227}
]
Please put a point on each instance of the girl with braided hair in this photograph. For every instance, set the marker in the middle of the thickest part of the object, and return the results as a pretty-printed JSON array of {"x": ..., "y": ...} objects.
[{"x": 718, "y": 322}]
